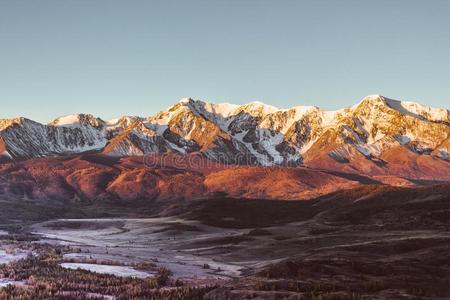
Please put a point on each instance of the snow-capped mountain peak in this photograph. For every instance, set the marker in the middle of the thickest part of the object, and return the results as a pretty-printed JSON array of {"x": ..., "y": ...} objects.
[
  {"x": 257, "y": 108},
  {"x": 261, "y": 133},
  {"x": 78, "y": 120},
  {"x": 185, "y": 100},
  {"x": 407, "y": 108},
  {"x": 123, "y": 122}
]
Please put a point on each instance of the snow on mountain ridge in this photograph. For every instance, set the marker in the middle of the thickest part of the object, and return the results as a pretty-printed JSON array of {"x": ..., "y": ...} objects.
[
  {"x": 268, "y": 134},
  {"x": 78, "y": 120},
  {"x": 227, "y": 109},
  {"x": 417, "y": 110},
  {"x": 68, "y": 120}
]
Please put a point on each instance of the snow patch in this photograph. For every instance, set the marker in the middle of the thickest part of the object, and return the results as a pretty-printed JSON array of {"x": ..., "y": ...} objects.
[
  {"x": 257, "y": 107},
  {"x": 185, "y": 100},
  {"x": 329, "y": 117},
  {"x": 4, "y": 282},
  {"x": 120, "y": 271},
  {"x": 443, "y": 153},
  {"x": 176, "y": 148},
  {"x": 403, "y": 139},
  {"x": 419, "y": 111},
  {"x": 69, "y": 120},
  {"x": 6, "y": 258}
]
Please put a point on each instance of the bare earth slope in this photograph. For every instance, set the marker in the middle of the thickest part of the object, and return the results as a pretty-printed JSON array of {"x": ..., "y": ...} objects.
[
  {"x": 97, "y": 177},
  {"x": 162, "y": 178}
]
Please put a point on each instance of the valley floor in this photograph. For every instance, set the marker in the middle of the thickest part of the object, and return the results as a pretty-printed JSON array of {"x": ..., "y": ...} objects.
[
  {"x": 371, "y": 243},
  {"x": 169, "y": 242}
]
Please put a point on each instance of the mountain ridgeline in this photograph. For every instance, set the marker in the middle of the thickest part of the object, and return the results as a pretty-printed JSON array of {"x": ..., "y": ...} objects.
[{"x": 377, "y": 136}]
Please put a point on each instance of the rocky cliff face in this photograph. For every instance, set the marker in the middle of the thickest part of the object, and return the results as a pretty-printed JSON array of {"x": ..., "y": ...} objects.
[{"x": 359, "y": 138}]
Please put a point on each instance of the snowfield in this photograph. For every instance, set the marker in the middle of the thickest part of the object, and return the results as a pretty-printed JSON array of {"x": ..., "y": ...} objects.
[{"x": 120, "y": 271}]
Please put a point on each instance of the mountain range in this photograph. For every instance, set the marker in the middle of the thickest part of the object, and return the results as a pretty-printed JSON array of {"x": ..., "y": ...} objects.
[
  {"x": 201, "y": 185},
  {"x": 378, "y": 136}
]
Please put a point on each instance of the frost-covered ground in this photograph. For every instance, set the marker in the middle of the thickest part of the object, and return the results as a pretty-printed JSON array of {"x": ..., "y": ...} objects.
[
  {"x": 6, "y": 258},
  {"x": 10, "y": 257},
  {"x": 167, "y": 242},
  {"x": 4, "y": 282},
  {"x": 121, "y": 271}
]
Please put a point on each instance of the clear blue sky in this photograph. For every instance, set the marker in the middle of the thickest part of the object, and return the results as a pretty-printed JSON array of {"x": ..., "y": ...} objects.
[{"x": 113, "y": 58}]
